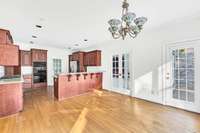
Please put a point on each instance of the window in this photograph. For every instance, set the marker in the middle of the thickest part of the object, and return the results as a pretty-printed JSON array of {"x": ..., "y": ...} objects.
[{"x": 57, "y": 66}]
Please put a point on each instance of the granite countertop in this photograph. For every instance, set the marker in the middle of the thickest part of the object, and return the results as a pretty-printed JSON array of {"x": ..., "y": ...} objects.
[
  {"x": 79, "y": 73},
  {"x": 11, "y": 80}
]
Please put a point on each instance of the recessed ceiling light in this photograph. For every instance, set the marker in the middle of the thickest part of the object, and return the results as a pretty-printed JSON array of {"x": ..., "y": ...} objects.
[
  {"x": 38, "y": 26},
  {"x": 31, "y": 42},
  {"x": 85, "y": 40},
  {"x": 33, "y": 36}
]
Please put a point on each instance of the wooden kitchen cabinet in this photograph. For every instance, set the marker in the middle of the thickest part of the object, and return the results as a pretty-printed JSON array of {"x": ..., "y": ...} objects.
[
  {"x": 9, "y": 55},
  {"x": 5, "y": 37},
  {"x": 92, "y": 58},
  {"x": 11, "y": 98},
  {"x": 78, "y": 56},
  {"x": 25, "y": 58},
  {"x": 39, "y": 55},
  {"x": 27, "y": 84}
]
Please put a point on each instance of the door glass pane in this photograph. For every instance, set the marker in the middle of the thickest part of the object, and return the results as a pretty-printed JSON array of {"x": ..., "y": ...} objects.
[
  {"x": 190, "y": 74},
  {"x": 176, "y": 74},
  {"x": 183, "y": 74},
  {"x": 182, "y": 84},
  {"x": 175, "y": 84},
  {"x": 190, "y": 63},
  {"x": 190, "y": 85},
  {"x": 182, "y": 63},
  {"x": 183, "y": 95},
  {"x": 191, "y": 96},
  {"x": 182, "y": 53},
  {"x": 175, "y": 94},
  {"x": 190, "y": 53}
]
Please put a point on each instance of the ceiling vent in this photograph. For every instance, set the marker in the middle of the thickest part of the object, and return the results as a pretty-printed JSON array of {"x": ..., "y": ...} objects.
[
  {"x": 33, "y": 36},
  {"x": 38, "y": 26}
]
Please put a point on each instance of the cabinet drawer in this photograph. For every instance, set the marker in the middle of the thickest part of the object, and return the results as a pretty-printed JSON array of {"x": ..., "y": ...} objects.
[
  {"x": 27, "y": 79},
  {"x": 26, "y": 85}
]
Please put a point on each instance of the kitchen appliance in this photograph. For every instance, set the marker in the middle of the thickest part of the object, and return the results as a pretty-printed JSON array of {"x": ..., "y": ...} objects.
[
  {"x": 74, "y": 66},
  {"x": 39, "y": 72}
]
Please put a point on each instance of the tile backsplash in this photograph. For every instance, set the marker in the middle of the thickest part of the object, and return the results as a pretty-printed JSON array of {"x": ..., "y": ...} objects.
[{"x": 2, "y": 71}]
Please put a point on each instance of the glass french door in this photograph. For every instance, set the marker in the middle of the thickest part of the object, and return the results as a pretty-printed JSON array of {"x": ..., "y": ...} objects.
[
  {"x": 183, "y": 75},
  {"x": 121, "y": 71}
]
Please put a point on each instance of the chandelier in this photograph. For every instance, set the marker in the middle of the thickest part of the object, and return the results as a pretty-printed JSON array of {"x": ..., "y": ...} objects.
[{"x": 129, "y": 24}]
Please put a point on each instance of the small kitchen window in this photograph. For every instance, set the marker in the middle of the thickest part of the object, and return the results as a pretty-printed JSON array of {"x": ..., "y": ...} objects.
[{"x": 57, "y": 66}]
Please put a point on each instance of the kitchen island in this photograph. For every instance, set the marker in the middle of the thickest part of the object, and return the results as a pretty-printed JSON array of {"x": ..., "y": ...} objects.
[
  {"x": 11, "y": 95},
  {"x": 73, "y": 84}
]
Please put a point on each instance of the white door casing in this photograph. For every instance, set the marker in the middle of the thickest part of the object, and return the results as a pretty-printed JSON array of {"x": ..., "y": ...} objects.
[{"x": 121, "y": 73}]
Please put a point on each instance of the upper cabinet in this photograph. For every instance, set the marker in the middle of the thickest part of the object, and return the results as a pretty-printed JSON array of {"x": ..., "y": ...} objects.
[
  {"x": 5, "y": 37},
  {"x": 39, "y": 55},
  {"x": 9, "y": 55},
  {"x": 92, "y": 58},
  {"x": 78, "y": 56},
  {"x": 25, "y": 58}
]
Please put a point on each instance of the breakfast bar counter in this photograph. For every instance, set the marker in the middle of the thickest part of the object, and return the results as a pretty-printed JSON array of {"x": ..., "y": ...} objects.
[{"x": 73, "y": 84}]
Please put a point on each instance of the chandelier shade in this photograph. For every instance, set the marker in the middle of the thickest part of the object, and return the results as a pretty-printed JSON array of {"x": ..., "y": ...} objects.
[
  {"x": 128, "y": 17},
  {"x": 140, "y": 21},
  {"x": 128, "y": 25}
]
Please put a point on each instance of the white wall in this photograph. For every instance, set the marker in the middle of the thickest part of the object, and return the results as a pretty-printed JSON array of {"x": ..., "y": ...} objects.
[
  {"x": 147, "y": 55},
  {"x": 53, "y": 52}
]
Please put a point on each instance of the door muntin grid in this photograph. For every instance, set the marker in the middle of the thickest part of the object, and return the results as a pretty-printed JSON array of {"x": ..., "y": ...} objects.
[
  {"x": 115, "y": 67},
  {"x": 183, "y": 74},
  {"x": 120, "y": 71},
  {"x": 115, "y": 71}
]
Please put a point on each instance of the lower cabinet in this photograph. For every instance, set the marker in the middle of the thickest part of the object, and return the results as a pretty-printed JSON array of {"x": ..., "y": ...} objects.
[
  {"x": 11, "y": 99},
  {"x": 27, "y": 82},
  {"x": 39, "y": 85}
]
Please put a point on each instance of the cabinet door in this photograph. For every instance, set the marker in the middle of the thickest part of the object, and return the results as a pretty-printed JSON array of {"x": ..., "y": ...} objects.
[
  {"x": 92, "y": 58},
  {"x": 5, "y": 37},
  {"x": 9, "y": 55},
  {"x": 2, "y": 37},
  {"x": 9, "y": 39},
  {"x": 25, "y": 58},
  {"x": 43, "y": 55},
  {"x": 39, "y": 55}
]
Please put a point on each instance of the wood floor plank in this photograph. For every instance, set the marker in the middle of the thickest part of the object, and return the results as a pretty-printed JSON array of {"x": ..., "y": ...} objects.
[{"x": 97, "y": 112}]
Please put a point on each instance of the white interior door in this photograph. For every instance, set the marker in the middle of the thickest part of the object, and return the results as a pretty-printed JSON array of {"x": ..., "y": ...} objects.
[
  {"x": 183, "y": 76},
  {"x": 121, "y": 72}
]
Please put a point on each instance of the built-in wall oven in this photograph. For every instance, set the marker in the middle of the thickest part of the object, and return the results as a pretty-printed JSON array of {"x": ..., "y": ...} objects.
[{"x": 39, "y": 72}]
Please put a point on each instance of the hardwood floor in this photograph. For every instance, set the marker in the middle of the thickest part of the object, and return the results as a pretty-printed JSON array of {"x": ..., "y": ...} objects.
[{"x": 97, "y": 112}]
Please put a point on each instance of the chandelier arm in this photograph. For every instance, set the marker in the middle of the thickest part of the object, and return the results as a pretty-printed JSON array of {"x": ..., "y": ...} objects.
[{"x": 132, "y": 35}]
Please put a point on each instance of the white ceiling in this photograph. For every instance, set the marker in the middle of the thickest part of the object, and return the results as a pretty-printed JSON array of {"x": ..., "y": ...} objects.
[{"x": 68, "y": 22}]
